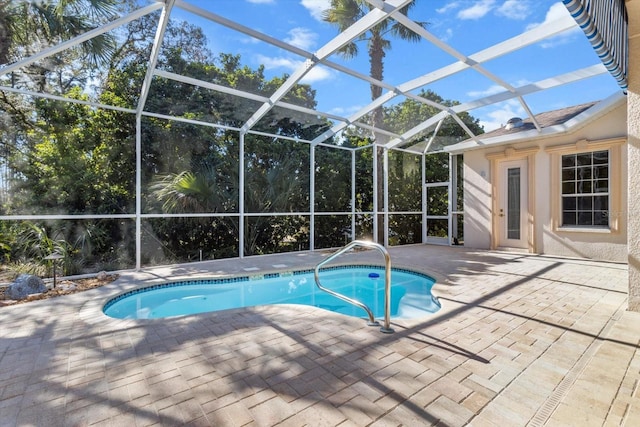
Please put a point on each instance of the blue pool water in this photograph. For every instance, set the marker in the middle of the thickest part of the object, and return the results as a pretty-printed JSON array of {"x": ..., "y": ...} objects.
[{"x": 410, "y": 294}]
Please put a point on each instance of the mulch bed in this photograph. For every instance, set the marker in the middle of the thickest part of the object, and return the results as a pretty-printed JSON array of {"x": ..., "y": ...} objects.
[{"x": 63, "y": 287}]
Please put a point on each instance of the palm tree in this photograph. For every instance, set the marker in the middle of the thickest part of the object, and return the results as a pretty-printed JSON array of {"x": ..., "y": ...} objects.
[
  {"x": 213, "y": 188},
  {"x": 29, "y": 26},
  {"x": 344, "y": 13}
]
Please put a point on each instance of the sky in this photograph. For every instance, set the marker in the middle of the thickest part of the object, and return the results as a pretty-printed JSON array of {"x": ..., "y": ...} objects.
[{"x": 468, "y": 26}]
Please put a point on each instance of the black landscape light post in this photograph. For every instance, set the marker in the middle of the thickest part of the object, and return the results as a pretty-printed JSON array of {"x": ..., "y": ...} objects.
[{"x": 54, "y": 257}]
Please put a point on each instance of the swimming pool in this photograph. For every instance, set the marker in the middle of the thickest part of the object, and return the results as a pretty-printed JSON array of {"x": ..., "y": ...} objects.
[{"x": 411, "y": 295}]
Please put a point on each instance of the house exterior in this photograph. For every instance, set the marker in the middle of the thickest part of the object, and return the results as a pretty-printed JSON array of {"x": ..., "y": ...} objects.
[
  {"x": 614, "y": 32},
  {"x": 613, "y": 28},
  {"x": 553, "y": 185},
  {"x": 633, "y": 131}
]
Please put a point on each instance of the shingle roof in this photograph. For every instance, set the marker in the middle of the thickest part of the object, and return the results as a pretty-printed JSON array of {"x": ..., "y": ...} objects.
[
  {"x": 545, "y": 120},
  {"x": 555, "y": 122}
]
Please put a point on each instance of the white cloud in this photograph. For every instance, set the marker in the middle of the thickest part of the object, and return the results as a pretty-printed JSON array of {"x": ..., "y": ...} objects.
[
  {"x": 514, "y": 9},
  {"x": 271, "y": 63},
  {"x": 448, "y": 7},
  {"x": 556, "y": 11},
  {"x": 302, "y": 38},
  {"x": 316, "y": 7},
  {"x": 248, "y": 40},
  {"x": 498, "y": 118},
  {"x": 446, "y": 36},
  {"x": 316, "y": 74},
  {"x": 560, "y": 40},
  {"x": 478, "y": 10},
  {"x": 492, "y": 90},
  {"x": 346, "y": 111}
]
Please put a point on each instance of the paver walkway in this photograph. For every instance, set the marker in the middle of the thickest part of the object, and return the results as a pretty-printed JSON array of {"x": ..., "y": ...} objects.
[{"x": 521, "y": 340}]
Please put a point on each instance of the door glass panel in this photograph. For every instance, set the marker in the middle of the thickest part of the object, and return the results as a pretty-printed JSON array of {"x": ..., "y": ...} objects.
[{"x": 513, "y": 203}]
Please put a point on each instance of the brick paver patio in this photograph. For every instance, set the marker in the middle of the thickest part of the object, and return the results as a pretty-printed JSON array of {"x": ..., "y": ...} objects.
[{"x": 520, "y": 340}]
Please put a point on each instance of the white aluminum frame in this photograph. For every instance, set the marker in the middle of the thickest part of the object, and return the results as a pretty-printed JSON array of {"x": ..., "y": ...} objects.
[{"x": 381, "y": 10}]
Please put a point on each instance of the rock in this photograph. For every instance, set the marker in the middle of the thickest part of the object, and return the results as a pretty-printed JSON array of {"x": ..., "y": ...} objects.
[
  {"x": 24, "y": 285},
  {"x": 67, "y": 286},
  {"x": 102, "y": 275}
]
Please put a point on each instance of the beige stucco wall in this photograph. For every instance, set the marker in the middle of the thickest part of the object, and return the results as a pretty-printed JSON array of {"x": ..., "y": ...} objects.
[
  {"x": 633, "y": 129},
  {"x": 477, "y": 200},
  {"x": 478, "y": 195}
]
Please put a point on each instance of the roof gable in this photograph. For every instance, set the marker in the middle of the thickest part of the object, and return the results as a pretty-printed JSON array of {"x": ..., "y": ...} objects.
[{"x": 551, "y": 123}]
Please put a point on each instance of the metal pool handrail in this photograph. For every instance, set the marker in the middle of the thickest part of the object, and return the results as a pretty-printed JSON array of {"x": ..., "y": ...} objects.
[{"x": 387, "y": 283}]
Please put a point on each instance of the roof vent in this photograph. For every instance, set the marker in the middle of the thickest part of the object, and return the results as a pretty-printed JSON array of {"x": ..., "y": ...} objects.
[{"x": 514, "y": 122}]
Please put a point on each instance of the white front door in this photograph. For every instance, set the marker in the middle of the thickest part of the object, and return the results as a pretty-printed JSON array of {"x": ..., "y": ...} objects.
[{"x": 512, "y": 204}]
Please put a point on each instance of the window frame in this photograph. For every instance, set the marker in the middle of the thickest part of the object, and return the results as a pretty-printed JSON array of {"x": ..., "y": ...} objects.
[
  {"x": 582, "y": 174},
  {"x": 614, "y": 208}
]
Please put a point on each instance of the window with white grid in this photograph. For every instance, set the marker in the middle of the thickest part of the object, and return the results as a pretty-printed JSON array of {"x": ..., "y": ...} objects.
[{"x": 585, "y": 189}]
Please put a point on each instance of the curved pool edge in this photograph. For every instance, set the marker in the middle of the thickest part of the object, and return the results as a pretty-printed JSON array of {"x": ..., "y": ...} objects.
[
  {"x": 258, "y": 276},
  {"x": 91, "y": 310}
]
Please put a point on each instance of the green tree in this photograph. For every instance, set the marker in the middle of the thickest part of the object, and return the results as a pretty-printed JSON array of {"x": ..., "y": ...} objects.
[
  {"x": 276, "y": 180},
  {"x": 405, "y": 116},
  {"x": 410, "y": 113},
  {"x": 76, "y": 161},
  {"x": 63, "y": 157},
  {"x": 404, "y": 169},
  {"x": 194, "y": 169},
  {"x": 332, "y": 194},
  {"x": 29, "y": 26}
]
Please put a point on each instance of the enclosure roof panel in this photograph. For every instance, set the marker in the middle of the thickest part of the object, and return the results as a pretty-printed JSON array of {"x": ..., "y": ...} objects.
[{"x": 454, "y": 62}]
